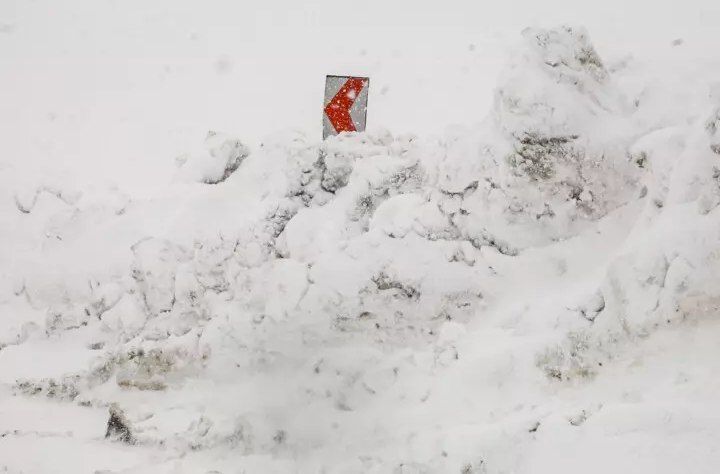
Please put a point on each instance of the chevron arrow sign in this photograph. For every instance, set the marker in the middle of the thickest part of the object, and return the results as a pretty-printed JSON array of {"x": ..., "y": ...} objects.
[{"x": 345, "y": 104}]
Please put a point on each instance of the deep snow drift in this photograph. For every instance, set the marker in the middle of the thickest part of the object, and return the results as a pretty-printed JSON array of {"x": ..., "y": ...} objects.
[{"x": 535, "y": 294}]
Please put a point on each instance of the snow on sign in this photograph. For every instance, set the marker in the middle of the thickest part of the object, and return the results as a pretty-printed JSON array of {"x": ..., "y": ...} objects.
[{"x": 345, "y": 104}]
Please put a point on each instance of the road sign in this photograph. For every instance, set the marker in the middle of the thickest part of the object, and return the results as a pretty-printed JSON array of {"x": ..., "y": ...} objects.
[{"x": 345, "y": 104}]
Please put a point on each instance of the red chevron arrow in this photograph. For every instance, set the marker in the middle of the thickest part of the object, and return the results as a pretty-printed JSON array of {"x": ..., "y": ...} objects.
[{"x": 338, "y": 109}]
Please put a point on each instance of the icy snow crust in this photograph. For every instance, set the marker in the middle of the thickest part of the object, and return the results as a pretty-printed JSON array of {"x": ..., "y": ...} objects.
[{"x": 535, "y": 295}]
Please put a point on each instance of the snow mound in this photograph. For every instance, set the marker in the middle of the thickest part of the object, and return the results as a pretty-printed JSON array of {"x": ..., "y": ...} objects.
[
  {"x": 223, "y": 155},
  {"x": 567, "y": 127}
]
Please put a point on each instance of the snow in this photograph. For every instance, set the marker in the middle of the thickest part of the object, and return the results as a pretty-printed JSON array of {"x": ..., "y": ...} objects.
[{"x": 514, "y": 270}]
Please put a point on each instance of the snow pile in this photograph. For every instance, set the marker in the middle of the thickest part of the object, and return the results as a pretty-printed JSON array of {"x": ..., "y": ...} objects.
[
  {"x": 664, "y": 274},
  {"x": 222, "y": 157},
  {"x": 568, "y": 127},
  {"x": 379, "y": 303}
]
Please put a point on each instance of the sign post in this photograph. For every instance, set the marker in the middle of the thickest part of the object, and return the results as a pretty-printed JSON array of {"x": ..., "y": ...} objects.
[{"x": 345, "y": 104}]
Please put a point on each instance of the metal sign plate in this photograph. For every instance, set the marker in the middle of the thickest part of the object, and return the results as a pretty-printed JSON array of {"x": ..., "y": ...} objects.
[{"x": 345, "y": 108}]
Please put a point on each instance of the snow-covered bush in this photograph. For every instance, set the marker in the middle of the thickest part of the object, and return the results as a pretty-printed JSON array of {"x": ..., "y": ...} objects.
[{"x": 562, "y": 156}]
